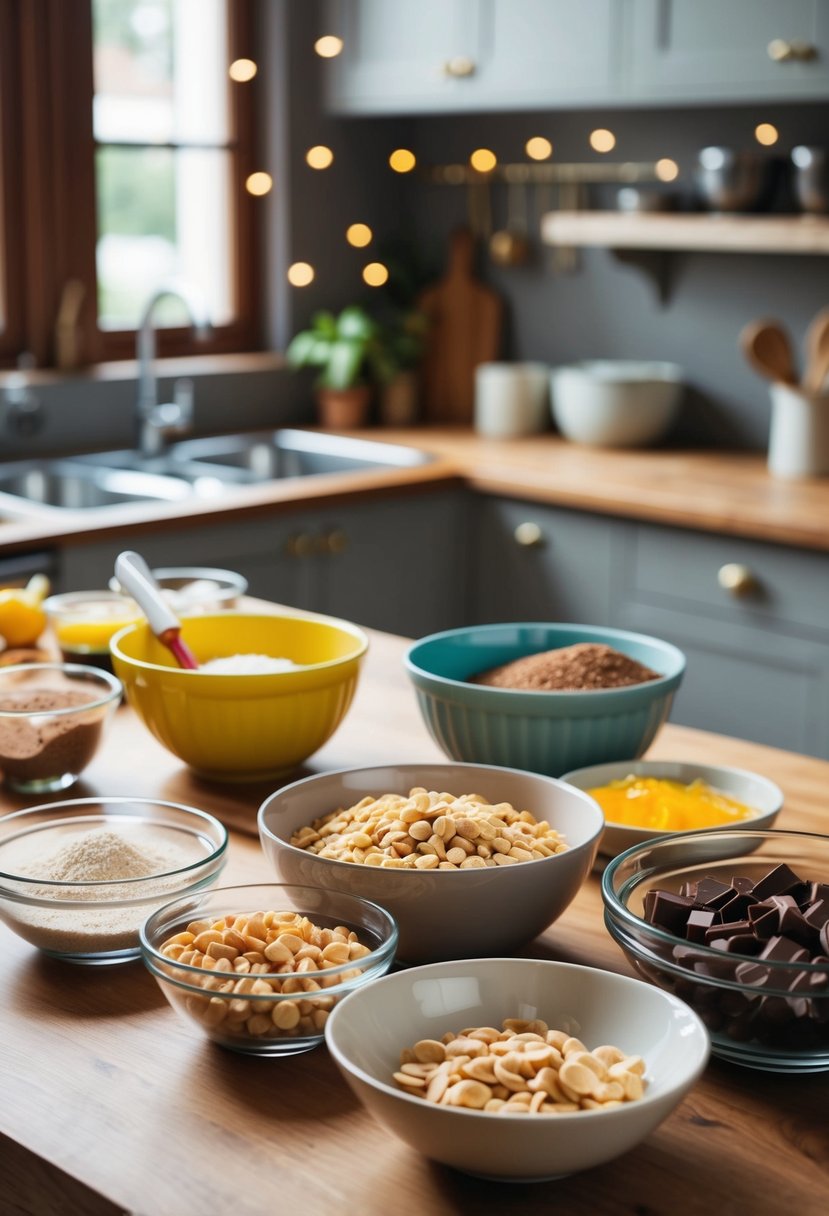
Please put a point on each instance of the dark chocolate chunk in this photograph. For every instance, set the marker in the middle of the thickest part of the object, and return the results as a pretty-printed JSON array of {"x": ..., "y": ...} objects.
[
  {"x": 712, "y": 893},
  {"x": 778, "y": 881},
  {"x": 793, "y": 925},
  {"x": 754, "y": 974},
  {"x": 817, "y": 914},
  {"x": 737, "y": 908},
  {"x": 819, "y": 890},
  {"x": 824, "y": 938},
  {"x": 741, "y": 884},
  {"x": 764, "y": 921},
  {"x": 738, "y": 928},
  {"x": 698, "y": 921},
  {"x": 779, "y": 949},
  {"x": 667, "y": 911}
]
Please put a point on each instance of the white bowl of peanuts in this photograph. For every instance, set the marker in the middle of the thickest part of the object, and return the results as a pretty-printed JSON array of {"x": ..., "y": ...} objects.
[
  {"x": 517, "y": 1069},
  {"x": 259, "y": 968},
  {"x": 470, "y": 859}
]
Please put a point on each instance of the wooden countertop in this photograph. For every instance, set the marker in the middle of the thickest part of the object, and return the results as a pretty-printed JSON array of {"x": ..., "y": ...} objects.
[
  {"x": 110, "y": 1104},
  {"x": 722, "y": 492}
]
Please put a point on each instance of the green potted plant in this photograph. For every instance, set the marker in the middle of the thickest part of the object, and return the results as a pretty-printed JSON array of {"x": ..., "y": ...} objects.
[{"x": 350, "y": 352}]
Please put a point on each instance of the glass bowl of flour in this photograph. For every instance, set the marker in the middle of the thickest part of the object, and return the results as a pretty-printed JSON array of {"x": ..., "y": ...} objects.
[{"x": 79, "y": 878}]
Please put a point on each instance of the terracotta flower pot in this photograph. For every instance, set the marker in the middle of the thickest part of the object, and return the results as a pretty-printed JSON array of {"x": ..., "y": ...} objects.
[{"x": 344, "y": 409}]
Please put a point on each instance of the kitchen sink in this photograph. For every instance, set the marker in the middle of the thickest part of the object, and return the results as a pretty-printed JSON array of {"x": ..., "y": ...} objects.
[
  {"x": 192, "y": 468},
  {"x": 269, "y": 455},
  {"x": 66, "y": 484}
]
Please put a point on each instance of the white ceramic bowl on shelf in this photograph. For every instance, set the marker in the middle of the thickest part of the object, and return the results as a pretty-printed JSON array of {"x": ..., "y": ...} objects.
[{"x": 615, "y": 403}]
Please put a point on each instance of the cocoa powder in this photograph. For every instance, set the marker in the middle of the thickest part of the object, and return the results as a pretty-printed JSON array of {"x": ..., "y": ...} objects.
[
  {"x": 583, "y": 667},
  {"x": 35, "y": 749}
]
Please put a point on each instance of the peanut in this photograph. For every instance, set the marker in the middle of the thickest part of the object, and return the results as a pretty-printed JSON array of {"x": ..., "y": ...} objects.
[
  {"x": 257, "y": 969},
  {"x": 429, "y": 830},
  {"x": 523, "y": 1069}
]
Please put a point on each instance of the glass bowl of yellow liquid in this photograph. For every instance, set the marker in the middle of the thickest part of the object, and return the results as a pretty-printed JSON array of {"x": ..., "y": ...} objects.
[
  {"x": 84, "y": 621},
  {"x": 642, "y": 799}
]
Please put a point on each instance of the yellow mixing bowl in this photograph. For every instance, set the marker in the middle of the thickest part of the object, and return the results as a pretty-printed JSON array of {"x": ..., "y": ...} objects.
[{"x": 243, "y": 727}]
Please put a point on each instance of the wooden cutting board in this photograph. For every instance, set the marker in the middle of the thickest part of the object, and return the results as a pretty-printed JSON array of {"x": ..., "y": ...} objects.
[{"x": 465, "y": 323}]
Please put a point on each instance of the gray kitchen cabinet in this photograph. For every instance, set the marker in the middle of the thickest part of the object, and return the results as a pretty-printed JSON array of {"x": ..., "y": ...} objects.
[
  {"x": 540, "y": 563},
  {"x": 719, "y": 50},
  {"x": 752, "y": 618},
  {"x": 388, "y": 563},
  {"x": 455, "y": 56},
  {"x": 422, "y": 56}
]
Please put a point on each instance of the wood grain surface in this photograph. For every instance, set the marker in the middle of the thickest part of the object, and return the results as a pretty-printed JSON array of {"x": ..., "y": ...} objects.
[
  {"x": 109, "y": 1104},
  {"x": 465, "y": 318}
]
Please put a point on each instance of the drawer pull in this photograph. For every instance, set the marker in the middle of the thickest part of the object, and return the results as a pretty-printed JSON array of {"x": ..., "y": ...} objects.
[
  {"x": 459, "y": 67},
  {"x": 783, "y": 51},
  {"x": 335, "y": 541},
  {"x": 300, "y": 545},
  {"x": 529, "y": 535},
  {"x": 737, "y": 579}
]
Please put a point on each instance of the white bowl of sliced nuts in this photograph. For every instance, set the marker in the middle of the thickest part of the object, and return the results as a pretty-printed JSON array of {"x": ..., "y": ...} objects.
[
  {"x": 259, "y": 968},
  {"x": 517, "y": 1069},
  {"x": 470, "y": 859}
]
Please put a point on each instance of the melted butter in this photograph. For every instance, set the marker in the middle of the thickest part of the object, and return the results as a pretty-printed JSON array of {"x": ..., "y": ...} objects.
[{"x": 667, "y": 806}]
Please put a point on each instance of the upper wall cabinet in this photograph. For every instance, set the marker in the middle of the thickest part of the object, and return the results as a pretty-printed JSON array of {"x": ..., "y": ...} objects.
[
  {"x": 720, "y": 50},
  {"x": 422, "y": 56},
  {"x": 433, "y": 56}
]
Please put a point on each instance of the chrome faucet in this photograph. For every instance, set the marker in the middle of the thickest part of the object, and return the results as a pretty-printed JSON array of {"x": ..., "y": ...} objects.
[{"x": 157, "y": 421}]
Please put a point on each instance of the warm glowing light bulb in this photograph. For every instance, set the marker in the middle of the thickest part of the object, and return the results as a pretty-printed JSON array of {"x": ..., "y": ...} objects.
[
  {"x": 375, "y": 274},
  {"x": 319, "y": 157},
  {"x": 667, "y": 170},
  {"x": 538, "y": 148},
  {"x": 402, "y": 160},
  {"x": 259, "y": 183},
  {"x": 300, "y": 274},
  {"x": 329, "y": 46},
  {"x": 766, "y": 133},
  {"x": 242, "y": 70},
  {"x": 358, "y": 235},
  {"x": 483, "y": 160},
  {"x": 602, "y": 140}
]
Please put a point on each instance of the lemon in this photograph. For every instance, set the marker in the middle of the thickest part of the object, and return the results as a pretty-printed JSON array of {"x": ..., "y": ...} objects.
[{"x": 22, "y": 619}]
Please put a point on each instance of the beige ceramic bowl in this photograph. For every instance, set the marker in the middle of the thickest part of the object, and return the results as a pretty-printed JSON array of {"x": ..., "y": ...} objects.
[
  {"x": 749, "y": 788},
  {"x": 443, "y": 914},
  {"x": 368, "y": 1030}
]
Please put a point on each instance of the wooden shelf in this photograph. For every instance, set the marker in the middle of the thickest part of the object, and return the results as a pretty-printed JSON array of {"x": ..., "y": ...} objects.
[{"x": 713, "y": 233}]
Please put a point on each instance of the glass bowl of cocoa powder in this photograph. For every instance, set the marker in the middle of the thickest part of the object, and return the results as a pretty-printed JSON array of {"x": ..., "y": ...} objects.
[
  {"x": 544, "y": 696},
  {"x": 52, "y": 719},
  {"x": 78, "y": 878}
]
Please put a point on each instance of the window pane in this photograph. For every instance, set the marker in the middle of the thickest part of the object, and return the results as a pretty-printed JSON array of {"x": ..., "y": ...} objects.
[
  {"x": 161, "y": 71},
  {"x": 159, "y": 214}
]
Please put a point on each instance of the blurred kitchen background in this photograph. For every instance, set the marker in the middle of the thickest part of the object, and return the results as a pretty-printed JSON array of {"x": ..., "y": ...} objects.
[{"x": 666, "y": 78}]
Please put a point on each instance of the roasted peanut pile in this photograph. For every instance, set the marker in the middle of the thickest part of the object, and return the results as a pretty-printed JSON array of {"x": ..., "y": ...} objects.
[
  {"x": 430, "y": 831},
  {"x": 256, "y": 956},
  {"x": 525, "y": 1068}
]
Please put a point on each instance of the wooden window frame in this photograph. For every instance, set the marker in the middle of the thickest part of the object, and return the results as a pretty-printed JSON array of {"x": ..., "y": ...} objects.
[{"x": 48, "y": 206}]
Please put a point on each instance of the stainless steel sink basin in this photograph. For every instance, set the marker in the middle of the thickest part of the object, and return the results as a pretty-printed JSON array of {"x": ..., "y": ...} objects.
[
  {"x": 194, "y": 468},
  {"x": 270, "y": 455},
  {"x": 71, "y": 485}
]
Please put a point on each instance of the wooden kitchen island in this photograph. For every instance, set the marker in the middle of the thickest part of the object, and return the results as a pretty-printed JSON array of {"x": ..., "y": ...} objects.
[{"x": 109, "y": 1103}]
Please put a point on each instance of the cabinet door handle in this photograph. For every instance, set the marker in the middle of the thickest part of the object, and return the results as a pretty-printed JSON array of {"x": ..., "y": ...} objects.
[
  {"x": 737, "y": 579},
  {"x": 459, "y": 66},
  {"x": 529, "y": 535},
  {"x": 781, "y": 50},
  {"x": 335, "y": 541},
  {"x": 300, "y": 545}
]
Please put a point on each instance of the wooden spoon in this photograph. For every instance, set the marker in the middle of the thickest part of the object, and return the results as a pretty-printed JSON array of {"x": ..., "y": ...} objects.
[
  {"x": 767, "y": 347},
  {"x": 817, "y": 353}
]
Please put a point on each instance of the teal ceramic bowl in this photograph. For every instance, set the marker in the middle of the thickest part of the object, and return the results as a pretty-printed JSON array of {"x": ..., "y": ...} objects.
[{"x": 544, "y": 732}]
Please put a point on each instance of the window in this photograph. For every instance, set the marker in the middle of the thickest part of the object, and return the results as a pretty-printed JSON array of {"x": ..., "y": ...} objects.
[{"x": 125, "y": 145}]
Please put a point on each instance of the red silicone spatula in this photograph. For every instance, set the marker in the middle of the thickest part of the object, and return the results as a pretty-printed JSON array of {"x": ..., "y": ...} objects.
[{"x": 136, "y": 578}]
